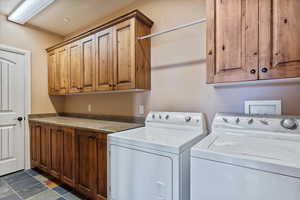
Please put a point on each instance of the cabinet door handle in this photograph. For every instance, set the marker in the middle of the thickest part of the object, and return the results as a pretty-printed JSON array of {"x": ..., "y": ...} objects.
[
  {"x": 92, "y": 137},
  {"x": 252, "y": 71},
  {"x": 264, "y": 70}
]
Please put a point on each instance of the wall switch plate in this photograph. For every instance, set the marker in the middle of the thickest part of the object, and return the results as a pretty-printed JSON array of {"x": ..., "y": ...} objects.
[
  {"x": 272, "y": 107},
  {"x": 89, "y": 108},
  {"x": 141, "y": 109}
]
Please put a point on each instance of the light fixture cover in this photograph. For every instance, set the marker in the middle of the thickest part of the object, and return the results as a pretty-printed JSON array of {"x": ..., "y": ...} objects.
[{"x": 28, "y": 9}]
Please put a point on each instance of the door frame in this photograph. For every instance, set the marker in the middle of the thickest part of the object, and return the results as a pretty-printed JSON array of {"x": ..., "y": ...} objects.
[{"x": 27, "y": 100}]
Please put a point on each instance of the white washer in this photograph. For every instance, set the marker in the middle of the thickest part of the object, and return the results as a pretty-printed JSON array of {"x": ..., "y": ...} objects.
[
  {"x": 153, "y": 162},
  {"x": 248, "y": 158}
]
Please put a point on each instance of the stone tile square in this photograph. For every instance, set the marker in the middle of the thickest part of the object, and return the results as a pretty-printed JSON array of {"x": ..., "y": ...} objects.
[
  {"x": 46, "y": 195},
  {"x": 41, "y": 178},
  {"x": 31, "y": 190},
  {"x": 60, "y": 190},
  {"x": 24, "y": 183},
  {"x": 50, "y": 184},
  {"x": 32, "y": 172},
  {"x": 6, "y": 192},
  {"x": 71, "y": 196},
  {"x": 11, "y": 197},
  {"x": 16, "y": 177}
]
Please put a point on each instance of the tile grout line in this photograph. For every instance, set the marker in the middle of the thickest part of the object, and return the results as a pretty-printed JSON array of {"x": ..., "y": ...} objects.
[
  {"x": 45, "y": 185},
  {"x": 12, "y": 189}
]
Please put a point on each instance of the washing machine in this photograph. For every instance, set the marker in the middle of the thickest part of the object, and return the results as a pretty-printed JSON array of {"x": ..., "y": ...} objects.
[
  {"x": 248, "y": 158},
  {"x": 153, "y": 162}
]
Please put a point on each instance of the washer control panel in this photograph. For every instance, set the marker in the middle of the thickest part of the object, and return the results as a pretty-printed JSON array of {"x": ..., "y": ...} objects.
[{"x": 288, "y": 124}]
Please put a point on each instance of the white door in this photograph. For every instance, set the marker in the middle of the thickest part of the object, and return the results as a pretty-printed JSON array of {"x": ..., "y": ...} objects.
[{"x": 12, "y": 106}]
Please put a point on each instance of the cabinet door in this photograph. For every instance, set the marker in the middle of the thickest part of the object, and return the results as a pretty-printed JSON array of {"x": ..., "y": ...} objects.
[
  {"x": 68, "y": 157},
  {"x": 279, "y": 39},
  {"x": 102, "y": 167},
  {"x": 44, "y": 148},
  {"x": 51, "y": 72},
  {"x": 86, "y": 163},
  {"x": 61, "y": 72},
  {"x": 232, "y": 40},
  {"x": 55, "y": 151},
  {"x": 124, "y": 55},
  {"x": 88, "y": 63},
  {"x": 75, "y": 67},
  {"x": 35, "y": 132},
  {"x": 104, "y": 62}
]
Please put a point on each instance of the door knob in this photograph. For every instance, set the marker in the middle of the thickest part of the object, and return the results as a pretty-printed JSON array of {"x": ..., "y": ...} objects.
[{"x": 20, "y": 119}]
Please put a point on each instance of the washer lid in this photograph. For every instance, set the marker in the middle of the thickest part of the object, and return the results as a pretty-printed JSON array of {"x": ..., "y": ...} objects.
[
  {"x": 270, "y": 153},
  {"x": 160, "y": 139}
]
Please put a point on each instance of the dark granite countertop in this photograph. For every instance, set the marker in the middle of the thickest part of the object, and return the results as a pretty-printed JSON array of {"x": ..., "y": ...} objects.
[{"x": 91, "y": 124}]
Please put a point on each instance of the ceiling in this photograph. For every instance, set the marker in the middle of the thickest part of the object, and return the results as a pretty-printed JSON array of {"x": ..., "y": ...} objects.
[{"x": 66, "y": 16}]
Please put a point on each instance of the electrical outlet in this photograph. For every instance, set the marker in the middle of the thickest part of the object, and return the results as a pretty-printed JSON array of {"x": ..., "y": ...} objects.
[
  {"x": 89, "y": 108},
  {"x": 141, "y": 109}
]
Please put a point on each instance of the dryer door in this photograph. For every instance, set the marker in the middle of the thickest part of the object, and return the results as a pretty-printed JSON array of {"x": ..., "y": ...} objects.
[{"x": 139, "y": 175}]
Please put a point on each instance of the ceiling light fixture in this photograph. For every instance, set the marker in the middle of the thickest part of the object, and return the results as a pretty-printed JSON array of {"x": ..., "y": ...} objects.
[{"x": 28, "y": 9}]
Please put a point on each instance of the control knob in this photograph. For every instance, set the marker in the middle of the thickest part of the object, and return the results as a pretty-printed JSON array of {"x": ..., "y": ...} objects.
[
  {"x": 188, "y": 118},
  {"x": 290, "y": 124}
]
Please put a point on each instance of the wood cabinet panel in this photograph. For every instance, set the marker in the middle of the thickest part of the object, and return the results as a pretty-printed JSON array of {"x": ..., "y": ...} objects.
[
  {"x": 232, "y": 40},
  {"x": 51, "y": 72},
  {"x": 279, "y": 39},
  {"x": 104, "y": 60},
  {"x": 88, "y": 63},
  {"x": 35, "y": 132},
  {"x": 68, "y": 157},
  {"x": 44, "y": 148},
  {"x": 61, "y": 71},
  {"x": 124, "y": 55},
  {"x": 75, "y": 67},
  {"x": 86, "y": 157},
  {"x": 56, "y": 151},
  {"x": 102, "y": 167}
]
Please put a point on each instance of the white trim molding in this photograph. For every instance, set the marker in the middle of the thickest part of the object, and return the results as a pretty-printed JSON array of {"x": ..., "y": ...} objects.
[{"x": 27, "y": 56}]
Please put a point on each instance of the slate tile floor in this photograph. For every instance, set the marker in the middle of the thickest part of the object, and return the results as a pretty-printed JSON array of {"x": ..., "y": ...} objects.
[{"x": 31, "y": 185}]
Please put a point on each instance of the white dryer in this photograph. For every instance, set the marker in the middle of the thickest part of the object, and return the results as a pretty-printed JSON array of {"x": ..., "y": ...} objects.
[
  {"x": 248, "y": 158},
  {"x": 153, "y": 162}
]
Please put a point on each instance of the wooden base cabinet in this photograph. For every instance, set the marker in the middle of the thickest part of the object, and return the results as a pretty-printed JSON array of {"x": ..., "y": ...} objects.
[
  {"x": 252, "y": 40},
  {"x": 91, "y": 162},
  {"x": 77, "y": 158}
]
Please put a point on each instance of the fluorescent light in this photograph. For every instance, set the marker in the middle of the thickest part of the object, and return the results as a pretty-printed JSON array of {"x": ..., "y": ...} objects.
[{"x": 28, "y": 9}]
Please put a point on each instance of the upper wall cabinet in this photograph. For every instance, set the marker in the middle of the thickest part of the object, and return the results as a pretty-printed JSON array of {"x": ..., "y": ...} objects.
[
  {"x": 279, "y": 39},
  {"x": 109, "y": 57},
  {"x": 252, "y": 39}
]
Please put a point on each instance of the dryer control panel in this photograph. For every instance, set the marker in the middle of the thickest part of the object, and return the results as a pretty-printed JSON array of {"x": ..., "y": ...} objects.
[{"x": 178, "y": 120}]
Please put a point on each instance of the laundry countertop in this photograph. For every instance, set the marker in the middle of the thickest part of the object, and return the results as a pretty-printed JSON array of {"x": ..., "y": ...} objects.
[{"x": 91, "y": 124}]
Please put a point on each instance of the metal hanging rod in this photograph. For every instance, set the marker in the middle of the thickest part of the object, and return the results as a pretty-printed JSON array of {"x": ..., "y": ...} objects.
[{"x": 173, "y": 29}]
